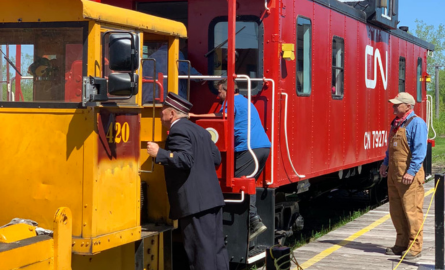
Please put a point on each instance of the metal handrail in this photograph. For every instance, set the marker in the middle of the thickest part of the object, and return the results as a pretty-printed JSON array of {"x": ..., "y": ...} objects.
[
  {"x": 429, "y": 115},
  {"x": 249, "y": 104},
  {"x": 285, "y": 134},
  {"x": 154, "y": 108},
  {"x": 236, "y": 201}
]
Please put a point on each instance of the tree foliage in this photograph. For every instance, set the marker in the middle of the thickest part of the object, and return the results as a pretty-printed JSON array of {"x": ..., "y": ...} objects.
[{"x": 436, "y": 36}]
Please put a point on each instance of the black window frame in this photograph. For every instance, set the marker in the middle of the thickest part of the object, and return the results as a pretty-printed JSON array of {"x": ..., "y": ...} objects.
[
  {"x": 402, "y": 81},
  {"x": 211, "y": 45},
  {"x": 302, "y": 93},
  {"x": 52, "y": 104},
  {"x": 342, "y": 68},
  {"x": 419, "y": 79}
]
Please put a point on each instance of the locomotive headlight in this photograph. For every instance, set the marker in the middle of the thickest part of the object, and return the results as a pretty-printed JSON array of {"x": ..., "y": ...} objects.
[{"x": 214, "y": 134}]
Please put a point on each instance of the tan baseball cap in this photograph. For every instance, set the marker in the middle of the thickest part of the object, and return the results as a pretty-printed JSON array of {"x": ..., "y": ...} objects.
[{"x": 403, "y": 98}]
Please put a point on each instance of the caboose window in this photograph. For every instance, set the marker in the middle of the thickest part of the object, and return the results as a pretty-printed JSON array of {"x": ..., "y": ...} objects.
[
  {"x": 338, "y": 55},
  {"x": 402, "y": 68},
  {"x": 304, "y": 50},
  {"x": 419, "y": 78},
  {"x": 44, "y": 64},
  {"x": 248, "y": 50},
  {"x": 157, "y": 50}
]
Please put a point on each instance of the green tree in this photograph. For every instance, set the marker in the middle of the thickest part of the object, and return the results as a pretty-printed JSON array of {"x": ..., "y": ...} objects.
[{"x": 436, "y": 36}]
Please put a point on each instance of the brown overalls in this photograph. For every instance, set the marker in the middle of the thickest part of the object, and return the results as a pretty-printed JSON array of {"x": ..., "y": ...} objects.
[{"x": 405, "y": 201}]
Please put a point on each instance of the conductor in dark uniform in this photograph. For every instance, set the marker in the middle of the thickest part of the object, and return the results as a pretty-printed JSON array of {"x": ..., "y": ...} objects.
[{"x": 195, "y": 197}]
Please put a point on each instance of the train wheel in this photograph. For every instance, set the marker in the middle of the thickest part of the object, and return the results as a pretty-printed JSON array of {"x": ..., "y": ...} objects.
[{"x": 379, "y": 192}]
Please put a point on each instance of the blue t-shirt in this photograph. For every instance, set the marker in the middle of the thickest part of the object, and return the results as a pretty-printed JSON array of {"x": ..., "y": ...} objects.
[{"x": 258, "y": 137}]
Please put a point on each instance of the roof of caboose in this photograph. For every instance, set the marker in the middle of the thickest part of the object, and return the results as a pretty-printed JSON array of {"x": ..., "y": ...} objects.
[
  {"x": 28, "y": 11},
  {"x": 345, "y": 7}
]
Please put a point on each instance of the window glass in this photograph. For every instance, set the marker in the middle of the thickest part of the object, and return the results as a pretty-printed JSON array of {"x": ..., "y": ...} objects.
[
  {"x": 419, "y": 78},
  {"x": 304, "y": 50},
  {"x": 386, "y": 12},
  {"x": 157, "y": 50},
  {"x": 402, "y": 69},
  {"x": 338, "y": 55},
  {"x": 247, "y": 53},
  {"x": 41, "y": 64}
]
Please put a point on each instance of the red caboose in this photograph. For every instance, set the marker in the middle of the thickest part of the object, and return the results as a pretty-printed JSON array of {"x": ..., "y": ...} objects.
[{"x": 322, "y": 72}]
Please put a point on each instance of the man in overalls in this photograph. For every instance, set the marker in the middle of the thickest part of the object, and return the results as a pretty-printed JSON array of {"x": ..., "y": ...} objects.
[{"x": 407, "y": 144}]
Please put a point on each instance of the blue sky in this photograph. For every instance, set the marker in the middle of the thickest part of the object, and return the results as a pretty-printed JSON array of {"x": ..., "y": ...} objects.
[{"x": 431, "y": 12}]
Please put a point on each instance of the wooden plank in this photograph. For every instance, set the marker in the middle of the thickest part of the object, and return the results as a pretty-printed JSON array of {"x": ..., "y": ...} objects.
[{"x": 368, "y": 250}]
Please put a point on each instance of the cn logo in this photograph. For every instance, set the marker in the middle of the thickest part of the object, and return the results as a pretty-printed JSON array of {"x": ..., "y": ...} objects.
[{"x": 371, "y": 83}]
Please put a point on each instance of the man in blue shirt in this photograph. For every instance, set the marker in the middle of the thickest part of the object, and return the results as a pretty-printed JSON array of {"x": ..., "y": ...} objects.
[
  {"x": 407, "y": 145},
  {"x": 259, "y": 143}
]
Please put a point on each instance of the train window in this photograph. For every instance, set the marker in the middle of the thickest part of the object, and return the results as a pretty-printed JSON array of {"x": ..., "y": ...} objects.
[
  {"x": 304, "y": 51},
  {"x": 248, "y": 51},
  {"x": 419, "y": 80},
  {"x": 41, "y": 64},
  {"x": 338, "y": 55},
  {"x": 157, "y": 50},
  {"x": 402, "y": 69}
]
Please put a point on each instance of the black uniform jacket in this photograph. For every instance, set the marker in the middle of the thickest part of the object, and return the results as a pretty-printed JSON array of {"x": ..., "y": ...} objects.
[{"x": 189, "y": 161}]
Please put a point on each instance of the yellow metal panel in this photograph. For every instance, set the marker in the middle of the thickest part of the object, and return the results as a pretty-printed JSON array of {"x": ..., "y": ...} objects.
[
  {"x": 27, "y": 255},
  {"x": 152, "y": 252},
  {"x": 43, "y": 150},
  {"x": 63, "y": 230},
  {"x": 98, "y": 244},
  {"x": 173, "y": 56},
  {"x": 119, "y": 258},
  {"x": 43, "y": 265},
  {"x": 94, "y": 50},
  {"x": 161, "y": 254},
  {"x": 132, "y": 19},
  {"x": 117, "y": 183},
  {"x": 117, "y": 195},
  {"x": 16, "y": 233},
  {"x": 288, "y": 51},
  {"x": 41, "y": 11}
]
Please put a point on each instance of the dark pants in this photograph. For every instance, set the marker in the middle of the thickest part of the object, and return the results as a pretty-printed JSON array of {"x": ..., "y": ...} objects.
[
  {"x": 204, "y": 240},
  {"x": 245, "y": 165}
]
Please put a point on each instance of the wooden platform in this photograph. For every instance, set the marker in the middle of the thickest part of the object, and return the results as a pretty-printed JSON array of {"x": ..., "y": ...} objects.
[{"x": 361, "y": 243}]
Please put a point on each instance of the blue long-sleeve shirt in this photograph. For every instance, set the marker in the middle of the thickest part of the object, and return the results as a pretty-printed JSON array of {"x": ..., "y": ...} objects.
[{"x": 417, "y": 136}]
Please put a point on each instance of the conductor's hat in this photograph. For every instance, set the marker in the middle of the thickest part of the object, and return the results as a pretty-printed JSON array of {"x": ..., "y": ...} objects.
[{"x": 176, "y": 102}]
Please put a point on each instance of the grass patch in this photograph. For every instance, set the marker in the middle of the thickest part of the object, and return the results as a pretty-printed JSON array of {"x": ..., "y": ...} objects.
[{"x": 439, "y": 150}]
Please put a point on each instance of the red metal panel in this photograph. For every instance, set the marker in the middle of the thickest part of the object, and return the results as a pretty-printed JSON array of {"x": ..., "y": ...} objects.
[
  {"x": 336, "y": 109},
  {"x": 118, "y": 134},
  {"x": 351, "y": 136},
  {"x": 321, "y": 58},
  {"x": 325, "y": 135}
]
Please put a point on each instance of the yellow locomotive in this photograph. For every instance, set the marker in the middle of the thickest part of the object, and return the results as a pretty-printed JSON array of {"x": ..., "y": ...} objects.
[{"x": 73, "y": 140}]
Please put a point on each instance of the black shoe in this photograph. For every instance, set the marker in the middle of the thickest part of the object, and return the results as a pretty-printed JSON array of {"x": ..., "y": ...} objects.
[
  {"x": 411, "y": 256},
  {"x": 256, "y": 228},
  {"x": 395, "y": 250}
]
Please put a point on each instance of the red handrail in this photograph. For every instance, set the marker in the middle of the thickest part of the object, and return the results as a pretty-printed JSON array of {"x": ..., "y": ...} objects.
[{"x": 159, "y": 83}]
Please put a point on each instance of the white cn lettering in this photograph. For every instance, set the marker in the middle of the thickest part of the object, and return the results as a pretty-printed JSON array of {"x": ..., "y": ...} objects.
[
  {"x": 383, "y": 72},
  {"x": 367, "y": 140}
]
